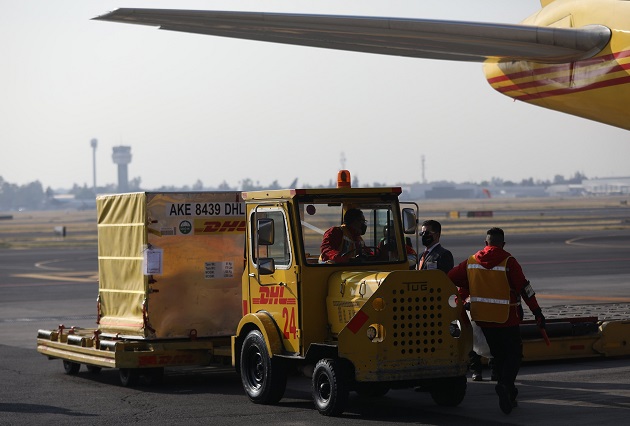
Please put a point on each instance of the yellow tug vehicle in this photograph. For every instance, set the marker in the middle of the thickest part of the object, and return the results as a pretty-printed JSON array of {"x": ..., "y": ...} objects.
[{"x": 204, "y": 278}]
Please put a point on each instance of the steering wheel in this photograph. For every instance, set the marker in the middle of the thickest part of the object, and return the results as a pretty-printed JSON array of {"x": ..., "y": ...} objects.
[{"x": 366, "y": 253}]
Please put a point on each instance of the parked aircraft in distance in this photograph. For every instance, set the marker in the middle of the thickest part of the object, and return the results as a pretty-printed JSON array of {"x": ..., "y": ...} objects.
[{"x": 572, "y": 56}]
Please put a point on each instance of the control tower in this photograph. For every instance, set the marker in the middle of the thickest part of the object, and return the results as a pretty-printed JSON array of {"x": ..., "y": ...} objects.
[{"x": 122, "y": 157}]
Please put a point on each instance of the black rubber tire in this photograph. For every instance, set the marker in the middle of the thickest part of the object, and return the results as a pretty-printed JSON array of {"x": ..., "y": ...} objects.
[
  {"x": 449, "y": 392},
  {"x": 93, "y": 369},
  {"x": 329, "y": 388},
  {"x": 264, "y": 379},
  {"x": 129, "y": 377},
  {"x": 71, "y": 367}
]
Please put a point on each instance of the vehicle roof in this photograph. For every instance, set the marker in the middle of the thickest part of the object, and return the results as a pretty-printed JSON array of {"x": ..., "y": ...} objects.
[{"x": 319, "y": 192}]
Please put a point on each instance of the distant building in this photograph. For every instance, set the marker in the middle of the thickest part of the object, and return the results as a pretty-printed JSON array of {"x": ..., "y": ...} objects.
[
  {"x": 441, "y": 190},
  {"x": 445, "y": 192},
  {"x": 516, "y": 191},
  {"x": 566, "y": 190},
  {"x": 607, "y": 186}
]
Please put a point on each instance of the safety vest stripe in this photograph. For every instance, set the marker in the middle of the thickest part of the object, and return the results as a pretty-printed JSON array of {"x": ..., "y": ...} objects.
[
  {"x": 478, "y": 266},
  {"x": 489, "y": 300}
]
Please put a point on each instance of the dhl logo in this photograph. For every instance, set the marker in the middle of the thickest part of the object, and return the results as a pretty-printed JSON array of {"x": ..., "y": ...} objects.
[
  {"x": 218, "y": 226},
  {"x": 273, "y": 296}
]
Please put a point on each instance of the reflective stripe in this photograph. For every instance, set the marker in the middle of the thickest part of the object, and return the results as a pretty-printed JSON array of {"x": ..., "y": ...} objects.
[
  {"x": 489, "y": 291},
  {"x": 478, "y": 266},
  {"x": 528, "y": 291},
  {"x": 489, "y": 300}
]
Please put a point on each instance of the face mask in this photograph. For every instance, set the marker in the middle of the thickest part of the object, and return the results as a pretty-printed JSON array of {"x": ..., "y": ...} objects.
[
  {"x": 363, "y": 228},
  {"x": 427, "y": 240}
]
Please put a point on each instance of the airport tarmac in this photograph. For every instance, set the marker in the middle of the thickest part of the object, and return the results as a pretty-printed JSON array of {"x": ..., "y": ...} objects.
[{"x": 41, "y": 288}]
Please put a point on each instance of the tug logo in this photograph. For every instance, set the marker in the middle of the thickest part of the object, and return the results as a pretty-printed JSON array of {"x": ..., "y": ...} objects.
[
  {"x": 218, "y": 226},
  {"x": 273, "y": 296}
]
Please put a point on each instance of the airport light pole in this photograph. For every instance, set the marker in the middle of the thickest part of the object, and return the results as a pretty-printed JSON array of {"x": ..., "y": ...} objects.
[{"x": 94, "y": 143}]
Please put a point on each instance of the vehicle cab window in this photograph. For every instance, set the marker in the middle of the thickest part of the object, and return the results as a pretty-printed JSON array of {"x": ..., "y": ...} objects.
[
  {"x": 280, "y": 250},
  {"x": 381, "y": 220}
]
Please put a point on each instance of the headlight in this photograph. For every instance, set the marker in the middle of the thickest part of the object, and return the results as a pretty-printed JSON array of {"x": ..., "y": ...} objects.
[
  {"x": 371, "y": 332},
  {"x": 376, "y": 333},
  {"x": 378, "y": 304},
  {"x": 455, "y": 329}
]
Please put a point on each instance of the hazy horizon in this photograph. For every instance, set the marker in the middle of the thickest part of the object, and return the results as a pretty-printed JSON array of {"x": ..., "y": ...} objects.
[
  {"x": 330, "y": 183},
  {"x": 213, "y": 109}
]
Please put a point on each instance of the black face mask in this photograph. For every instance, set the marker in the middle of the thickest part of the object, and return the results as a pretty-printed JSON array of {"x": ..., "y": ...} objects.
[
  {"x": 427, "y": 240},
  {"x": 363, "y": 228}
]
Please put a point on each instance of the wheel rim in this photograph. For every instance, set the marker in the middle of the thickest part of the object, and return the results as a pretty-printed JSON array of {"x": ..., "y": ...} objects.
[
  {"x": 323, "y": 387},
  {"x": 256, "y": 370}
]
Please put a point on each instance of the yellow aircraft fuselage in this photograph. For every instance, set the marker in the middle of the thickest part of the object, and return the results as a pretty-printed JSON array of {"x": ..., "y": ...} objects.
[{"x": 590, "y": 88}]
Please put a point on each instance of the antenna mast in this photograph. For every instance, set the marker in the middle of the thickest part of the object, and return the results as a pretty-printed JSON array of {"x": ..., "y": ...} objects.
[{"x": 424, "y": 179}]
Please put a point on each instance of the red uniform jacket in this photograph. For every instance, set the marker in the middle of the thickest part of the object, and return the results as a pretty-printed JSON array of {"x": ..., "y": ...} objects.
[
  {"x": 334, "y": 245},
  {"x": 489, "y": 257}
]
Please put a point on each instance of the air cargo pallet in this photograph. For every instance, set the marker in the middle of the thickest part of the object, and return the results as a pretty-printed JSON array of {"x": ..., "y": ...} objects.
[
  {"x": 134, "y": 357},
  {"x": 578, "y": 331}
]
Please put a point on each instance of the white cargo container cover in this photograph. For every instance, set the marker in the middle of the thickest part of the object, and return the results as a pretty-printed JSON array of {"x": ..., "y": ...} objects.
[{"x": 170, "y": 264}]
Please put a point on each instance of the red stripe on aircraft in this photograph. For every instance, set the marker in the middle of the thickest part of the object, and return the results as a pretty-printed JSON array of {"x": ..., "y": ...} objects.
[
  {"x": 558, "y": 92},
  {"x": 560, "y": 67},
  {"x": 589, "y": 75},
  {"x": 581, "y": 68}
]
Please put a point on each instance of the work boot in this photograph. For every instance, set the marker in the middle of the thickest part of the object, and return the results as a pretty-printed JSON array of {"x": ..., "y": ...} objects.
[
  {"x": 475, "y": 366},
  {"x": 505, "y": 402}
]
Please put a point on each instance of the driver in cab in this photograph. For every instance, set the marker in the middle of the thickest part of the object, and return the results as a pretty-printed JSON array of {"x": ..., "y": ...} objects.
[{"x": 345, "y": 242}]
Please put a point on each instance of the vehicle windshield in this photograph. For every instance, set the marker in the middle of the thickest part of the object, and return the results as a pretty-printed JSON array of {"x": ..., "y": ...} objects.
[{"x": 382, "y": 241}]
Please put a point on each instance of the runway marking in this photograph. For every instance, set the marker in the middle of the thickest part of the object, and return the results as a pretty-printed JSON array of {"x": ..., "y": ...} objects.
[
  {"x": 57, "y": 278},
  {"x": 68, "y": 278},
  {"x": 578, "y": 242},
  {"x": 44, "y": 264},
  {"x": 575, "y": 297},
  {"x": 568, "y": 403}
]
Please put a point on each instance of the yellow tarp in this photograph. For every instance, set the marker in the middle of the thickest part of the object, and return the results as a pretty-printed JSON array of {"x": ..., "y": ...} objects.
[{"x": 193, "y": 243}]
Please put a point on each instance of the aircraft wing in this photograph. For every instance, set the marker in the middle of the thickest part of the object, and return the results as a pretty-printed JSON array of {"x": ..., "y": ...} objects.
[{"x": 418, "y": 38}]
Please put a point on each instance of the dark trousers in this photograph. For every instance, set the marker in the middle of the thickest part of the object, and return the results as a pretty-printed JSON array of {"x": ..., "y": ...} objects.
[
  {"x": 506, "y": 348},
  {"x": 475, "y": 362}
]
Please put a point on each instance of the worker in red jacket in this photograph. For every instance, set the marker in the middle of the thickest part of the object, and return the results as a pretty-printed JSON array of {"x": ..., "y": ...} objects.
[
  {"x": 495, "y": 283},
  {"x": 343, "y": 243}
]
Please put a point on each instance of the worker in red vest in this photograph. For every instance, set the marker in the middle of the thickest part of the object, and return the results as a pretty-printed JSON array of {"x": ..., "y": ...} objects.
[{"x": 495, "y": 283}]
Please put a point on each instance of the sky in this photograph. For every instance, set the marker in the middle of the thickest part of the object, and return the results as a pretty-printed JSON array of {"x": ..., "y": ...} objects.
[{"x": 210, "y": 109}]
